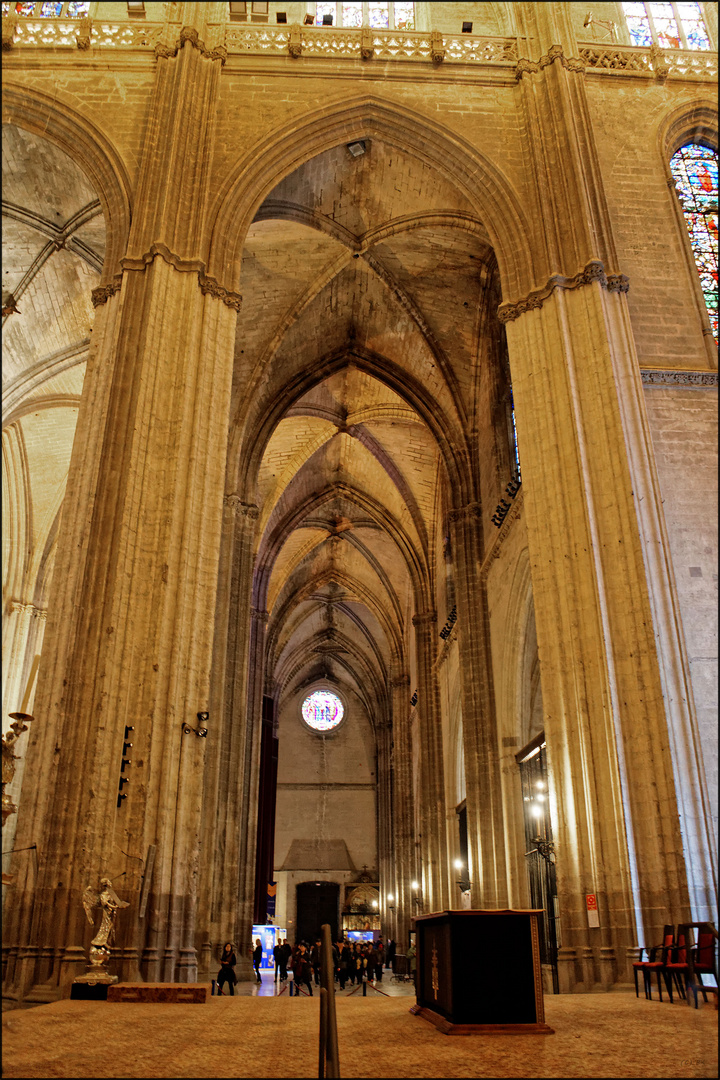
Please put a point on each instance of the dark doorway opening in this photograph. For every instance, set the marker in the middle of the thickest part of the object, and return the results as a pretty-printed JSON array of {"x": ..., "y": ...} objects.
[
  {"x": 540, "y": 853},
  {"x": 317, "y": 903}
]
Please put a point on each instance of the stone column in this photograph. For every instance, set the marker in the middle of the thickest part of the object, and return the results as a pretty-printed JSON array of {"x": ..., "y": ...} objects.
[
  {"x": 403, "y": 813},
  {"x": 618, "y": 719},
  {"x": 433, "y": 842},
  {"x": 130, "y": 637},
  {"x": 226, "y": 803},
  {"x": 480, "y": 741},
  {"x": 250, "y": 787},
  {"x": 386, "y": 854}
]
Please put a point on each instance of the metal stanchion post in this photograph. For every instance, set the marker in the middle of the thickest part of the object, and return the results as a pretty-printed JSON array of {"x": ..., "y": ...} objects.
[
  {"x": 332, "y": 1057},
  {"x": 323, "y": 1032}
]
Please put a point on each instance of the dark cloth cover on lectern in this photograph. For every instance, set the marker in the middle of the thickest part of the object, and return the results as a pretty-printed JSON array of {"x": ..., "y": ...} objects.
[{"x": 480, "y": 968}]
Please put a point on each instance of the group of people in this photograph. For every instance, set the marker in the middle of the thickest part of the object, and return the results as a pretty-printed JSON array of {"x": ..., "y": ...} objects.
[{"x": 353, "y": 962}]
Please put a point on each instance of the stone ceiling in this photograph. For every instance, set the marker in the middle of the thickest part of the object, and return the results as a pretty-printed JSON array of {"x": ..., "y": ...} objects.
[
  {"x": 377, "y": 253},
  {"x": 53, "y": 249}
]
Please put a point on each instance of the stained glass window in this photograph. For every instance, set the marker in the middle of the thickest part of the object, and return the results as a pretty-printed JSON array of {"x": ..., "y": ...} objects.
[
  {"x": 695, "y": 171},
  {"x": 669, "y": 25},
  {"x": 76, "y": 10},
  {"x": 322, "y": 711},
  {"x": 51, "y": 11},
  {"x": 48, "y": 11},
  {"x": 25, "y": 9},
  {"x": 352, "y": 14},
  {"x": 380, "y": 14},
  {"x": 6, "y": 9}
]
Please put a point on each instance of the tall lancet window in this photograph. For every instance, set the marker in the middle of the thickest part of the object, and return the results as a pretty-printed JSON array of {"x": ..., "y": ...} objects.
[{"x": 695, "y": 172}]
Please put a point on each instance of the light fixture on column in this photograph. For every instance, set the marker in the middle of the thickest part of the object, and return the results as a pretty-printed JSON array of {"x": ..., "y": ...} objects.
[
  {"x": 417, "y": 894},
  {"x": 464, "y": 879},
  {"x": 201, "y": 730},
  {"x": 391, "y": 902}
]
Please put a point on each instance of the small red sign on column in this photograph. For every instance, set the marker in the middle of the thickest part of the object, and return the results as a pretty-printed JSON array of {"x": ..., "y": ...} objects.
[{"x": 592, "y": 909}]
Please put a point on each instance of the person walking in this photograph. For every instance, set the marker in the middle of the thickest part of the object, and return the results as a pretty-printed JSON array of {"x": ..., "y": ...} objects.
[
  {"x": 257, "y": 958},
  {"x": 226, "y": 974}
]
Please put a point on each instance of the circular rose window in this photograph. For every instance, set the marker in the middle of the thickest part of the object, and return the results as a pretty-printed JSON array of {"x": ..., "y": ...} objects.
[{"x": 322, "y": 711}]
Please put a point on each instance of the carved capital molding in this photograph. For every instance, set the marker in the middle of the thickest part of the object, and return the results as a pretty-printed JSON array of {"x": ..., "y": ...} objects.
[
  {"x": 17, "y": 606},
  {"x": 673, "y": 377},
  {"x": 238, "y": 507},
  {"x": 190, "y": 34},
  {"x": 465, "y": 513},
  {"x": 259, "y": 616},
  {"x": 103, "y": 292},
  {"x": 400, "y": 681},
  {"x": 555, "y": 52},
  {"x": 210, "y": 287},
  {"x": 367, "y": 45},
  {"x": 295, "y": 41},
  {"x": 425, "y": 618},
  {"x": 437, "y": 47},
  {"x": 186, "y": 266},
  {"x": 9, "y": 23},
  {"x": 84, "y": 34},
  {"x": 594, "y": 271}
]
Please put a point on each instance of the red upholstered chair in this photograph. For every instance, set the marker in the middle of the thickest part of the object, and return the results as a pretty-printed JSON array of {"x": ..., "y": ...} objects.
[
  {"x": 702, "y": 959},
  {"x": 657, "y": 955},
  {"x": 677, "y": 966}
]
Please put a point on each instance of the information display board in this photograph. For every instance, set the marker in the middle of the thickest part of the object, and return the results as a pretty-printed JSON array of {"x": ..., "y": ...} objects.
[{"x": 269, "y": 937}]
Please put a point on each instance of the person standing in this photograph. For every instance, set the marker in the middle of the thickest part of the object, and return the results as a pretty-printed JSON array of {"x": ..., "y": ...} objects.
[
  {"x": 301, "y": 969},
  {"x": 278, "y": 954},
  {"x": 315, "y": 960},
  {"x": 379, "y": 960},
  {"x": 411, "y": 961},
  {"x": 257, "y": 958},
  {"x": 390, "y": 954},
  {"x": 286, "y": 954},
  {"x": 226, "y": 974},
  {"x": 344, "y": 966}
]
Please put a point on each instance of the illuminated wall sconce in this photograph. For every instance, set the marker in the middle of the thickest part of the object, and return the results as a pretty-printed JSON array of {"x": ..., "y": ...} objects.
[{"x": 464, "y": 880}]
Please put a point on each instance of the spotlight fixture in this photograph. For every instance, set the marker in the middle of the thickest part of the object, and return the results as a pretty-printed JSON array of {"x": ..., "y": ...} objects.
[
  {"x": 357, "y": 149},
  {"x": 327, "y": 20},
  {"x": 201, "y": 729},
  {"x": 281, "y": 16},
  {"x": 467, "y": 28},
  {"x": 309, "y": 20}
]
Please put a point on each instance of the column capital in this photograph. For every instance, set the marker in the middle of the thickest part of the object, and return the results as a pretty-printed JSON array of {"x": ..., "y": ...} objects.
[
  {"x": 238, "y": 508},
  {"x": 259, "y": 616},
  {"x": 594, "y": 271},
  {"x": 425, "y": 618},
  {"x": 400, "y": 681},
  {"x": 465, "y": 513}
]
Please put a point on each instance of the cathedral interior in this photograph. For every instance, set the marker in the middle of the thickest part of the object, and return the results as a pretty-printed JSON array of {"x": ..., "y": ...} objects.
[{"x": 359, "y": 476}]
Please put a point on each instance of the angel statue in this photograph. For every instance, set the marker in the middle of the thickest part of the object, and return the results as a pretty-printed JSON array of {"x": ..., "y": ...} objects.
[{"x": 109, "y": 902}]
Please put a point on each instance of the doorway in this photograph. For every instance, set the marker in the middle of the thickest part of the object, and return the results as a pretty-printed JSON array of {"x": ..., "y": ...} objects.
[
  {"x": 317, "y": 903},
  {"x": 540, "y": 851}
]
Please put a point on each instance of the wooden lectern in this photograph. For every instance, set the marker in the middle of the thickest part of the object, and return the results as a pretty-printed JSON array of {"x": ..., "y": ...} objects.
[{"x": 479, "y": 971}]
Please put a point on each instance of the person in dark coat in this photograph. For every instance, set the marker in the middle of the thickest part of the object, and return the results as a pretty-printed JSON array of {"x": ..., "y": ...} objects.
[
  {"x": 278, "y": 956},
  {"x": 286, "y": 954},
  {"x": 390, "y": 954},
  {"x": 226, "y": 974},
  {"x": 315, "y": 960},
  {"x": 344, "y": 965},
  {"x": 379, "y": 959},
  {"x": 301, "y": 969},
  {"x": 257, "y": 958}
]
